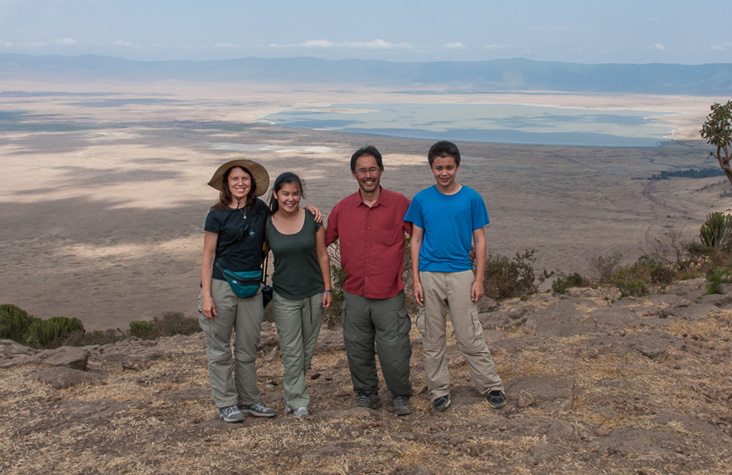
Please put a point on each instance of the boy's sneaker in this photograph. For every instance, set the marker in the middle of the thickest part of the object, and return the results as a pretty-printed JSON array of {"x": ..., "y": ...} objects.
[
  {"x": 257, "y": 410},
  {"x": 231, "y": 414},
  {"x": 401, "y": 406},
  {"x": 371, "y": 401},
  {"x": 300, "y": 412},
  {"x": 496, "y": 398},
  {"x": 441, "y": 403}
]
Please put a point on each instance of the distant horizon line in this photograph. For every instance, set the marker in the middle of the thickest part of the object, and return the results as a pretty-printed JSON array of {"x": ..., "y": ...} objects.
[{"x": 333, "y": 60}]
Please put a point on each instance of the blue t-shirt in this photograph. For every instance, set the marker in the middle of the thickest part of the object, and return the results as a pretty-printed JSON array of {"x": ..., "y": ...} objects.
[{"x": 448, "y": 222}]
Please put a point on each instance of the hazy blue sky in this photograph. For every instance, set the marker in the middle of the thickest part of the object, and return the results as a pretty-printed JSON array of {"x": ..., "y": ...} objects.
[{"x": 589, "y": 31}]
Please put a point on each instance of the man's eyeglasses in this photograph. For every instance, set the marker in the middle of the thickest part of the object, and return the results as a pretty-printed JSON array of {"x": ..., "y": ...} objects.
[{"x": 368, "y": 171}]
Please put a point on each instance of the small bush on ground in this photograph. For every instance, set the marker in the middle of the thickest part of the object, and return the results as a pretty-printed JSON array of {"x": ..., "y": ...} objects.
[
  {"x": 604, "y": 267},
  {"x": 96, "y": 337},
  {"x": 712, "y": 253},
  {"x": 410, "y": 303},
  {"x": 672, "y": 249},
  {"x": 166, "y": 324},
  {"x": 14, "y": 322},
  {"x": 176, "y": 323},
  {"x": 53, "y": 332},
  {"x": 142, "y": 329},
  {"x": 564, "y": 282},
  {"x": 337, "y": 277},
  {"x": 629, "y": 283},
  {"x": 510, "y": 277},
  {"x": 716, "y": 232},
  {"x": 717, "y": 277},
  {"x": 17, "y": 325},
  {"x": 636, "y": 279}
]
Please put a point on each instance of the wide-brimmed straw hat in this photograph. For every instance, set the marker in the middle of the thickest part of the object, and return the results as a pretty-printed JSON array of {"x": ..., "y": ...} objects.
[{"x": 259, "y": 174}]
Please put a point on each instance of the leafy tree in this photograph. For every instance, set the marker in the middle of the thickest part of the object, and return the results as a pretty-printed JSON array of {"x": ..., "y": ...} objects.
[{"x": 717, "y": 130}]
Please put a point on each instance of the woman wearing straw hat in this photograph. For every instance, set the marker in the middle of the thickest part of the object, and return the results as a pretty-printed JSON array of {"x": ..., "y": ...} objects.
[{"x": 230, "y": 287}]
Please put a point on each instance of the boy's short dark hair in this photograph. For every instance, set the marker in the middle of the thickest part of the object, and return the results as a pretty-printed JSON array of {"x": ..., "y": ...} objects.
[
  {"x": 367, "y": 150},
  {"x": 443, "y": 148}
]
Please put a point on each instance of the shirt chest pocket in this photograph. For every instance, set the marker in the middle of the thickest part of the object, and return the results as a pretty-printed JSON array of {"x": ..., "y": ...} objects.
[{"x": 388, "y": 237}]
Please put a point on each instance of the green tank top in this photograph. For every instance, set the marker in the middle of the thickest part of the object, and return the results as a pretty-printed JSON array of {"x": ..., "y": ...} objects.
[{"x": 296, "y": 271}]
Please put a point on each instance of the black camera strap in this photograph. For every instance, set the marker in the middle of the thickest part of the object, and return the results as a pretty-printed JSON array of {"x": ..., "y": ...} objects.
[{"x": 264, "y": 272}]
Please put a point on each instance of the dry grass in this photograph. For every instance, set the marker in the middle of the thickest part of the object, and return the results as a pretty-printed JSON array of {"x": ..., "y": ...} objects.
[{"x": 605, "y": 409}]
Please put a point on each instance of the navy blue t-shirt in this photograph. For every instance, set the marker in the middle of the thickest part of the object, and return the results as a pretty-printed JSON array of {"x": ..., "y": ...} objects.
[{"x": 241, "y": 234}]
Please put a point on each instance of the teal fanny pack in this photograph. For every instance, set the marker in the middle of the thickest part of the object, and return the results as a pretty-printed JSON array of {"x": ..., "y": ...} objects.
[{"x": 244, "y": 284}]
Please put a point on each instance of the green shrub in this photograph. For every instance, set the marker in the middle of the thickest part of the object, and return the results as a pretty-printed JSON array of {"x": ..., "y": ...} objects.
[
  {"x": 53, "y": 332},
  {"x": 96, "y": 337},
  {"x": 144, "y": 329},
  {"x": 175, "y": 323},
  {"x": 662, "y": 274},
  {"x": 510, "y": 277},
  {"x": 635, "y": 279},
  {"x": 605, "y": 266},
  {"x": 716, "y": 278},
  {"x": 337, "y": 277},
  {"x": 14, "y": 322},
  {"x": 674, "y": 250},
  {"x": 166, "y": 324},
  {"x": 716, "y": 232},
  {"x": 410, "y": 303},
  {"x": 629, "y": 283},
  {"x": 564, "y": 282}
]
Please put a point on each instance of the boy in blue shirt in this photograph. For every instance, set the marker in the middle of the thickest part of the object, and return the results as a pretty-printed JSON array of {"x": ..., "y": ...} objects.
[{"x": 449, "y": 219}]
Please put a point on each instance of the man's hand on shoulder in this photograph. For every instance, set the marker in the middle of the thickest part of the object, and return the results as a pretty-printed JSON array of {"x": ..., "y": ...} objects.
[{"x": 315, "y": 211}]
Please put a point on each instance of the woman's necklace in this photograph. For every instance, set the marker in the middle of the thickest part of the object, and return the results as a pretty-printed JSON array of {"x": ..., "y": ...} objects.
[{"x": 243, "y": 211}]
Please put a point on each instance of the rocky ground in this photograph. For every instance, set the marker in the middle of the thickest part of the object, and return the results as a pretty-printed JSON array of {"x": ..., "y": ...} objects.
[{"x": 596, "y": 384}]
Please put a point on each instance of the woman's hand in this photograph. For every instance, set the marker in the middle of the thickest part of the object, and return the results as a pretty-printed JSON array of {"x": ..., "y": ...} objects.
[
  {"x": 327, "y": 298},
  {"x": 208, "y": 308}
]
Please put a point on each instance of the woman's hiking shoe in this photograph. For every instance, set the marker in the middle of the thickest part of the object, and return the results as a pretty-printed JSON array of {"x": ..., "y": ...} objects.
[
  {"x": 257, "y": 410},
  {"x": 231, "y": 414},
  {"x": 371, "y": 401},
  {"x": 301, "y": 412},
  {"x": 496, "y": 398},
  {"x": 441, "y": 403},
  {"x": 401, "y": 406}
]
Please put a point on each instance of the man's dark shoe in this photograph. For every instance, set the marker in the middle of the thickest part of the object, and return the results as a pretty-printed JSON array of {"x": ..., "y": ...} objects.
[
  {"x": 441, "y": 403},
  {"x": 496, "y": 398},
  {"x": 371, "y": 401},
  {"x": 401, "y": 406}
]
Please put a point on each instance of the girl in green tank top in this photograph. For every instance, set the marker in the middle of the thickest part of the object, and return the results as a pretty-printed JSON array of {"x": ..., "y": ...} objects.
[{"x": 301, "y": 281}]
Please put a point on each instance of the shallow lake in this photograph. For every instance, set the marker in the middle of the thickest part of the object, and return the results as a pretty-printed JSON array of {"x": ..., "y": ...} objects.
[{"x": 520, "y": 124}]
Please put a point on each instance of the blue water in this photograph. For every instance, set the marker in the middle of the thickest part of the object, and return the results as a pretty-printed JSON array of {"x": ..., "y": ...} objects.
[{"x": 521, "y": 124}]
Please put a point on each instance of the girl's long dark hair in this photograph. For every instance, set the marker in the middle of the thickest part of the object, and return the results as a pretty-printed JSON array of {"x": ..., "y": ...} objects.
[
  {"x": 225, "y": 196},
  {"x": 286, "y": 177}
]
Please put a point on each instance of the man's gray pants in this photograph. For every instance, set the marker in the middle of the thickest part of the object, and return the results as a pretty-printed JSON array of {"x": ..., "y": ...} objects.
[{"x": 377, "y": 325}]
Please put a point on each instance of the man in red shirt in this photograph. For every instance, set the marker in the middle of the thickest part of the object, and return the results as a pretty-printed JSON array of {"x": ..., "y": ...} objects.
[{"x": 370, "y": 227}]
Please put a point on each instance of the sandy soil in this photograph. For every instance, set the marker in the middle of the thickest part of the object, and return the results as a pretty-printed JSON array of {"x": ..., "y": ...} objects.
[{"x": 104, "y": 185}]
